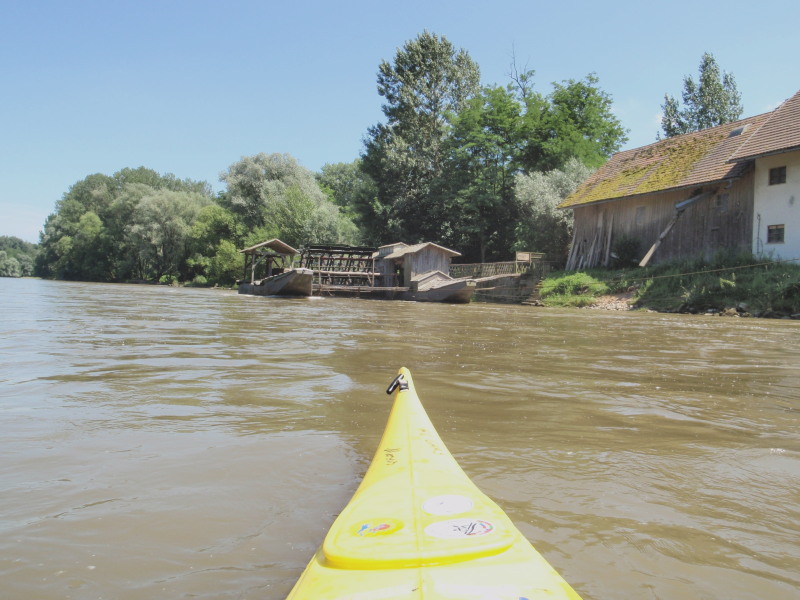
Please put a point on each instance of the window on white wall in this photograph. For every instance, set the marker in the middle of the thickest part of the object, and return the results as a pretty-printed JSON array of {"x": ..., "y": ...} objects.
[
  {"x": 777, "y": 175},
  {"x": 774, "y": 234}
]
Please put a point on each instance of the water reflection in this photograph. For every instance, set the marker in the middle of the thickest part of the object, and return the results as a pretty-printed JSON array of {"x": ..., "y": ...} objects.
[{"x": 175, "y": 442}]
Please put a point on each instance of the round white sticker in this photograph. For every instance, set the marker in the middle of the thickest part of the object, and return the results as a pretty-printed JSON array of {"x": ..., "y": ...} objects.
[{"x": 458, "y": 528}]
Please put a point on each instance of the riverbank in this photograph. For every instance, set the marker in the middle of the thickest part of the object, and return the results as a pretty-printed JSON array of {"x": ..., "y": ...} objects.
[{"x": 737, "y": 286}]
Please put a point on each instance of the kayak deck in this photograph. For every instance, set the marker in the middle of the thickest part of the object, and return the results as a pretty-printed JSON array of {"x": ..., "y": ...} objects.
[{"x": 417, "y": 527}]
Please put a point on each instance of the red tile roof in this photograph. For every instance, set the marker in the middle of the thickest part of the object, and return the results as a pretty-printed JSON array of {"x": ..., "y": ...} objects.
[{"x": 779, "y": 133}]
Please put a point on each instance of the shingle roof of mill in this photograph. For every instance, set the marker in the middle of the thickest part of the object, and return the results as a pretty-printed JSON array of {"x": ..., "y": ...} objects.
[{"x": 779, "y": 133}]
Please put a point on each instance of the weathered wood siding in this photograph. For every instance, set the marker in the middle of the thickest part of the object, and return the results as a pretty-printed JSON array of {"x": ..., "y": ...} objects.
[
  {"x": 722, "y": 220},
  {"x": 426, "y": 260}
]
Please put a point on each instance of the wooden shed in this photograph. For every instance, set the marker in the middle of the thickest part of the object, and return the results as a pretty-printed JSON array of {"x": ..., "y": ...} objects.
[
  {"x": 678, "y": 198},
  {"x": 267, "y": 258},
  {"x": 400, "y": 264}
]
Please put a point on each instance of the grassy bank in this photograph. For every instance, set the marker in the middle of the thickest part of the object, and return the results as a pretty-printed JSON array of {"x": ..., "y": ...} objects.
[{"x": 740, "y": 284}]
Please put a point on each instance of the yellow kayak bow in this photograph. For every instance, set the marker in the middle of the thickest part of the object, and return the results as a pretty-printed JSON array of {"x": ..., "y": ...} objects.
[{"x": 417, "y": 527}]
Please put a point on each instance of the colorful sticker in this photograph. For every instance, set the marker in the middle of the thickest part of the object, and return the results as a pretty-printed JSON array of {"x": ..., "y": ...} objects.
[
  {"x": 377, "y": 527},
  {"x": 458, "y": 528},
  {"x": 447, "y": 504}
]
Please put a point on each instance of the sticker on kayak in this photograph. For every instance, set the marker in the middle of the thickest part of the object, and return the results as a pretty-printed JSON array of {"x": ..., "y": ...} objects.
[
  {"x": 448, "y": 504},
  {"x": 378, "y": 527},
  {"x": 458, "y": 528}
]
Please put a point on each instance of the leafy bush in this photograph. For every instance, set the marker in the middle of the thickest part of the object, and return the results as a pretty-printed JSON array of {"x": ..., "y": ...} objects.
[
  {"x": 573, "y": 284},
  {"x": 9, "y": 266},
  {"x": 571, "y": 289}
]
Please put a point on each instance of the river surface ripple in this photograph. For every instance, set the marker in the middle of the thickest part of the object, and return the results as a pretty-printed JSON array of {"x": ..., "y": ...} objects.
[{"x": 181, "y": 443}]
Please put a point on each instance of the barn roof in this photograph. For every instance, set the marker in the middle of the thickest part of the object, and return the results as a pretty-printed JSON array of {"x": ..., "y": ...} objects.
[
  {"x": 779, "y": 133},
  {"x": 683, "y": 161}
]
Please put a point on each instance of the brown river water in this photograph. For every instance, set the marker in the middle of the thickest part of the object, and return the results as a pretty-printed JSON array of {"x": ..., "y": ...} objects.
[{"x": 182, "y": 443}]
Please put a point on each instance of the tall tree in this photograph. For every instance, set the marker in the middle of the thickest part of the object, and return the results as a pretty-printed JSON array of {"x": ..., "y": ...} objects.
[
  {"x": 19, "y": 257},
  {"x": 428, "y": 81},
  {"x": 574, "y": 120},
  {"x": 485, "y": 144},
  {"x": 713, "y": 100},
  {"x": 543, "y": 227},
  {"x": 86, "y": 238},
  {"x": 9, "y": 266},
  {"x": 160, "y": 229},
  {"x": 503, "y": 132},
  {"x": 273, "y": 192},
  {"x": 355, "y": 193}
]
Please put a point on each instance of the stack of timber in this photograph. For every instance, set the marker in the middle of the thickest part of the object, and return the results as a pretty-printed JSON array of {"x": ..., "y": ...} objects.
[
  {"x": 585, "y": 254},
  {"x": 273, "y": 261}
]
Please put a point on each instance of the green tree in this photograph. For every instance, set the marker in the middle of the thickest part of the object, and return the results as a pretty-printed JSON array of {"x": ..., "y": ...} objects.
[
  {"x": 160, "y": 231},
  {"x": 9, "y": 266},
  {"x": 428, "y": 82},
  {"x": 213, "y": 225},
  {"x": 87, "y": 237},
  {"x": 505, "y": 131},
  {"x": 226, "y": 264},
  {"x": 542, "y": 226},
  {"x": 23, "y": 254},
  {"x": 575, "y": 120},
  {"x": 90, "y": 249},
  {"x": 26, "y": 264},
  {"x": 713, "y": 100},
  {"x": 355, "y": 193},
  {"x": 485, "y": 149},
  {"x": 61, "y": 255},
  {"x": 155, "y": 180},
  {"x": 273, "y": 191}
]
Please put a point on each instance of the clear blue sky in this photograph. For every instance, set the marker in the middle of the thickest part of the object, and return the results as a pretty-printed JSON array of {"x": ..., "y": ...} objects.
[{"x": 189, "y": 87}]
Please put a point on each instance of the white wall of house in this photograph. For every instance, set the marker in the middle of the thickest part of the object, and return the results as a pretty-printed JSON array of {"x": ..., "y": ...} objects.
[{"x": 776, "y": 205}]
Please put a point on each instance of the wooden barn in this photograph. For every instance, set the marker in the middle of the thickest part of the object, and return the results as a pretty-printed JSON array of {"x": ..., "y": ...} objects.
[{"x": 692, "y": 195}]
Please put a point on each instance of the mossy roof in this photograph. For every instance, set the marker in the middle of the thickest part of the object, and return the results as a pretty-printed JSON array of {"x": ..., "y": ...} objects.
[{"x": 683, "y": 161}]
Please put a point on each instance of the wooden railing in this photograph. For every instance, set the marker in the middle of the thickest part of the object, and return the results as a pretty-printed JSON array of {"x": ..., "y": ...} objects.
[{"x": 512, "y": 267}]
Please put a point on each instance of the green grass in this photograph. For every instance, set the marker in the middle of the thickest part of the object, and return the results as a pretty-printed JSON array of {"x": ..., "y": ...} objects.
[
  {"x": 753, "y": 285},
  {"x": 571, "y": 289}
]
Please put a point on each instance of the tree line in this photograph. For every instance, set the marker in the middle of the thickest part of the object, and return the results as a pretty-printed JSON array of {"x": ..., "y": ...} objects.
[
  {"x": 476, "y": 168},
  {"x": 16, "y": 257},
  {"x": 139, "y": 225}
]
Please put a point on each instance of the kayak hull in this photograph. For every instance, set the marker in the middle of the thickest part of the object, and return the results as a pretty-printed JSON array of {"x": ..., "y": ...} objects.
[{"x": 418, "y": 527}]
